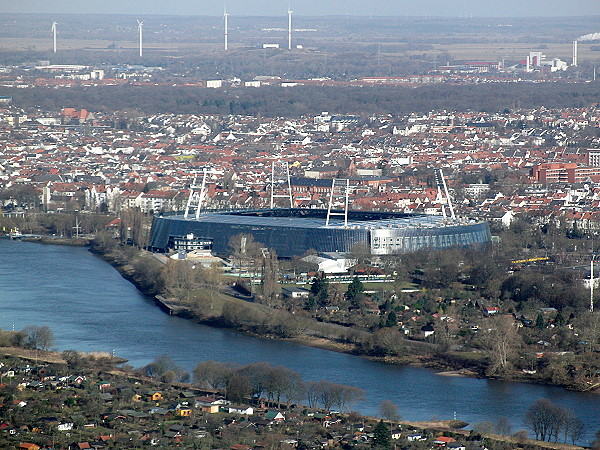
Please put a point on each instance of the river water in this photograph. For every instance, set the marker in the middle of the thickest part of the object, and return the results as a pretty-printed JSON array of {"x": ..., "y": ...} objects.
[{"x": 90, "y": 307}]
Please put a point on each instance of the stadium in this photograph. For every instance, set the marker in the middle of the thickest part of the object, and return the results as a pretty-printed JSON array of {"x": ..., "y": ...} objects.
[{"x": 291, "y": 232}]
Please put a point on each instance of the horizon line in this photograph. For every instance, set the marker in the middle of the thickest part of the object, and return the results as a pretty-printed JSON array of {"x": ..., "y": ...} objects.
[{"x": 367, "y": 16}]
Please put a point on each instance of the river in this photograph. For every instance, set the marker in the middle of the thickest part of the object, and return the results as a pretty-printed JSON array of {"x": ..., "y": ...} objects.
[{"x": 90, "y": 307}]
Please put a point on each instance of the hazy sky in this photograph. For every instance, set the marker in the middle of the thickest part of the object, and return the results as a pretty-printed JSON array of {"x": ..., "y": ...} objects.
[{"x": 455, "y": 8}]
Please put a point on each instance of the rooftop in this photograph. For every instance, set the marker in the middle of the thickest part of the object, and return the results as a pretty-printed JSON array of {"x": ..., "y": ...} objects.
[{"x": 316, "y": 218}]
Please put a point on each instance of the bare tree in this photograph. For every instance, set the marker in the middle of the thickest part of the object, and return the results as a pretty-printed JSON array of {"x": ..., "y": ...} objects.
[
  {"x": 389, "y": 411},
  {"x": 588, "y": 328},
  {"x": 503, "y": 426},
  {"x": 501, "y": 342},
  {"x": 312, "y": 393},
  {"x": 548, "y": 421},
  {"x": 179, "y": 278},
  {"x": 348, "y": 396},
  {"x": 328, "y": 394},
  {"x": 238, "y": 387},
  {"x": 572, "y": 426},
  {"x": 270, "y": 279},
  {"x": 166, "y": 370},
  {"x": 245, "y": 250},
  {"x": 257, "y": 375},
  {"x": 539, "y": 418},
  {"x": 135, "y": 227},
  {"x": 212, "y": 373},
  {"x": 41, "y": 338}
]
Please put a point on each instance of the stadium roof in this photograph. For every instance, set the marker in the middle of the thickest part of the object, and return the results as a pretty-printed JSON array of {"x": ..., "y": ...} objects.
[{"x": 295, "y": 218}]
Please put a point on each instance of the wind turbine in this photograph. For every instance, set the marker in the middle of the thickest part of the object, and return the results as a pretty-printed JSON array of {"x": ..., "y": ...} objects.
[
  {"x": 290, "y": 25},
  {"x": 140, "y": 27},
  {"x": 225, "y": 16},
  {"x": 53, "y": 29}
]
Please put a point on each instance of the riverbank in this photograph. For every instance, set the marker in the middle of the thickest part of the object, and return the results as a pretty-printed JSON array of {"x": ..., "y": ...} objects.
[
  {"x": 217, "y": 309},
  {"x": 139, "y": 397},
  {"x": 51, "y": 357}
]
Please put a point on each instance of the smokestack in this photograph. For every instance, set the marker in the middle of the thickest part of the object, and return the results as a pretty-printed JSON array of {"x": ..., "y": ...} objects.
[
  {"x": 528, "y": 69},
  {"x": 574, "y": 53}
]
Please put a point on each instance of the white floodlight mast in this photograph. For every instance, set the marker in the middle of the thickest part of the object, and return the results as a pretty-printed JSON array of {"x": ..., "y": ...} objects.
[
  {"x": 592, "y": 283},
  {"x": 283, "y": 165},
  {"x": 190, "y": 198},
  {"x": 344, "y": 186},
  {"x": 225, "y": 17},
  {"x": 202, "y": 196},
  {"x": 196, "y": 199},
  {"x": 442, "y": 184},
  {"x": 290, "y": 26},
  {"x": 140, "y": 28},
  {"x": 54, "y": 34}
]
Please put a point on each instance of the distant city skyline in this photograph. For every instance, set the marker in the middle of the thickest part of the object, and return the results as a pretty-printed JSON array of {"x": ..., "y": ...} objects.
[{"x": 446, "y": 8}]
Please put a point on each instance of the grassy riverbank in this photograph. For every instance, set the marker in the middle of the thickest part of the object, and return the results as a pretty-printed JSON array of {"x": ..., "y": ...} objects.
[
  {"x": 215, "y": 307},
  {"x": 219, "y": 307}
]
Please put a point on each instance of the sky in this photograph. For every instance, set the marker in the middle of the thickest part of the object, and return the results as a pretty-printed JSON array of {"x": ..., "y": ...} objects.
[{"x": 448, "y": 8}]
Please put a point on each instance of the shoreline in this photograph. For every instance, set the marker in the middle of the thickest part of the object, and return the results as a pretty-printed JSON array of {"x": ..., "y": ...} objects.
[
  {"x": 453, "y": 428},
  {"x": 432, "y": 360}
]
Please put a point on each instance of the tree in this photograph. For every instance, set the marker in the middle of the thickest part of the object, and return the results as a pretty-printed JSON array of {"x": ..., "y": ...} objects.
[
  {"x": 327, "y": 394},
  {"x": 239, "y": 387},
  {"x": 179, "y": 278},
  {"x": 270, "y": 279},
  {"x": 360, "y": 252},
  {"x": 348, "y": 396},
  {"x": 540, "y": 323},
  {"x": 442, "y": 268},
  {"x": 389, "y": 411},
  {"x": 164, "y": 368},
  {"x": 540, "y": 417},
  {"x": 319, "y": 289},
  {"x": 312, "y": 393},
  {"x": 212, "y": 373},
  {"x": 588, "y": 327},
  {"x": 258, "y": 375},
  {"x": 282, "y": 382},
  {"x": 74, "y": 359},
  {"x": 354, "y": 288},
  {"x": 501, "y": 342},
  {"x": 392, "y": 320},
  {"x": 381, "y": 436},
  {"x": 134, "y": 227},
  {"x": 574, "y": 428},
  {"x": 41, "y": 338},
  {"x": 503, "y": 426},
  {"x": 483, "y": 428},
  {"x": 245, "y": 250},
  {"x": 548, "y": 421}
]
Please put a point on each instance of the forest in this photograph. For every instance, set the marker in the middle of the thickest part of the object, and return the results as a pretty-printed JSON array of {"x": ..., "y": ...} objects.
[{"x": 272, "y": 101}]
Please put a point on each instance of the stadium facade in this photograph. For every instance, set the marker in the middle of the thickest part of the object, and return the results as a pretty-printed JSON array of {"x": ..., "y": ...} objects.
[{"x": 291, "y": 232}]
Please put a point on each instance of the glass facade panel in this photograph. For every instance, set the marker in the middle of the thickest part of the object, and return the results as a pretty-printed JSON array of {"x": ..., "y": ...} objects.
[{"x": 301, "y": 230}]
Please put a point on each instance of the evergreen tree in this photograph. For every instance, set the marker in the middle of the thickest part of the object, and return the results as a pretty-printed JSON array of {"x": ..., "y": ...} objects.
[
  {"x": 319, "y": 289},
  {"x": 382, "y": 437},
  {"x": 392, "y": 319},
  {"x": 540, "y": 322},
  {"x": 354, "y": 288}
]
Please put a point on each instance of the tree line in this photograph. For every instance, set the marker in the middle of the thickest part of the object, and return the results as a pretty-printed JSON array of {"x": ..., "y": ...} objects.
[
  {"x": 271, "y": 101},
  {"x": 258, "y": 382},
  {"x": 550, "y": 422}
]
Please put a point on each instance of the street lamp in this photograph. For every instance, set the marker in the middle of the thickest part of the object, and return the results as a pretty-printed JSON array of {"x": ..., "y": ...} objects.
[{"x": 592, "y": 283}]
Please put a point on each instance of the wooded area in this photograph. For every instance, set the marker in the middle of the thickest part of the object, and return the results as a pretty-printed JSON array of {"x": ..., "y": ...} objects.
[{"x": 292, "y": 102}]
